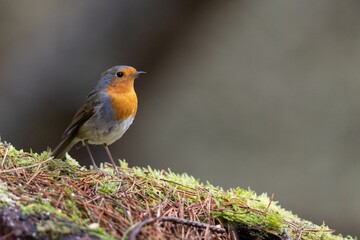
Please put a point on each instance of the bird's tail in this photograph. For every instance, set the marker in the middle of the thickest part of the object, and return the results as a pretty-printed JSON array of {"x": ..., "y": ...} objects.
[{"x": 63, "y": 147}]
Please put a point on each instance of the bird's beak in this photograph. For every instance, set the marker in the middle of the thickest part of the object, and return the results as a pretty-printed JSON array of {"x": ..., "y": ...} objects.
[{"x": 138, "y": 73}]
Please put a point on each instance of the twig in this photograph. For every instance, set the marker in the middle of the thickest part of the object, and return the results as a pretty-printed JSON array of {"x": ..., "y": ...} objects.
[
  {"x": 268, "y": 206},
  {"x": 193, "y": 224},
  {"x": 25, "y": 167},
  {"x": 3, "y": 161},
  {"x": 299, "y": 237},
  {"x": 34, "y": 175},
  {"x": 176, "y": 183},
  {"x": 138, "y": 227},
  {"x": 318, "y": 230},
  {"x": 59, "y": 199},
  {"x": 183, "y": 221}
]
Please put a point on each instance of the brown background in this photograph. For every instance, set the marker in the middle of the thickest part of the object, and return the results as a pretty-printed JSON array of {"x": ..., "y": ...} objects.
[{"x": 262, "y": 94}]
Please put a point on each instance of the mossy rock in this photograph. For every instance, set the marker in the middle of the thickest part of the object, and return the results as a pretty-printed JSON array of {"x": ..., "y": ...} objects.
[{"x": 45, "y": 198}]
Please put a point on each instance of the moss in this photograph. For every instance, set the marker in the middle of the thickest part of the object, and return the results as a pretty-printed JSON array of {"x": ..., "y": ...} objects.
[
  {"x": 108, "y": 188},
  {"x": 5, "y": 198},
  {"x": 42, "y": 208},
  {"x": 66, "y": 198},
  {"x": 55, "y": 229}
]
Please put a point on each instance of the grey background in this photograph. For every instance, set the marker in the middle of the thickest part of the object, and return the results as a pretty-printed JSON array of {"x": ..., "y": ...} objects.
[{"x": 262, "y": 94}]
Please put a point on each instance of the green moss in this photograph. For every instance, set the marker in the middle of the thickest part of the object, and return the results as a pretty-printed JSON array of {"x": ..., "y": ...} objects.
[
  {"x": 108, "y": 188},
  {"x": 41, "y": 208},
  {"x": 55, "y": 229},
  {"x": 5, "y": 198},
  {"x": 275, "y": 221},
  {"x": 110, "y": 206},
  {"x": 101, "y": 233}
]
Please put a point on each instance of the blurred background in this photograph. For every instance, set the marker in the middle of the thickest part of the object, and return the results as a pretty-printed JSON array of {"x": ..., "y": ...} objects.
[{"x": 259, "y": 94}]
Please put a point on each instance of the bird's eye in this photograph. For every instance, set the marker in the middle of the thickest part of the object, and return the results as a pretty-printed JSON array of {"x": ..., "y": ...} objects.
[{"x": 119, "y": 74}]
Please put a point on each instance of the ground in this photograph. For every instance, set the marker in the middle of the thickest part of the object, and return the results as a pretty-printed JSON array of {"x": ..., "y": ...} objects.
[{"x": 45, "y": 198}]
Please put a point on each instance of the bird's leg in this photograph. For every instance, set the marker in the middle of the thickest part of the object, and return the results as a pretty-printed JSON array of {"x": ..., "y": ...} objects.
[
  {"x": 110, "y": 157},
  {"x": 97, "y": 169}
]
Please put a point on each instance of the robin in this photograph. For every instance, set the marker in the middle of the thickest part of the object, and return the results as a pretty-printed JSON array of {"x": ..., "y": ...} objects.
[{"x": 108, "y": 112}]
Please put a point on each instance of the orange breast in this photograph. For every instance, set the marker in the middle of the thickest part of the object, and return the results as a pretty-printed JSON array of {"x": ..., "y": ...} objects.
[{"x": 124, "y": 100}]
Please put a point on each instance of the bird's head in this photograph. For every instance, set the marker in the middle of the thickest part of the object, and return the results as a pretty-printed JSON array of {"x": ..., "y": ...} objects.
[{"x": 119, "y": 77}]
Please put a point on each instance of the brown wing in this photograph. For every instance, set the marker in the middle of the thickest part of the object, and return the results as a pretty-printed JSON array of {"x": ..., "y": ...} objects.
[{"x": 82, "y": 115}]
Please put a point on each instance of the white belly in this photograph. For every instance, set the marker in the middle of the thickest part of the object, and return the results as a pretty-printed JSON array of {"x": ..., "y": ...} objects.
[{"x": 103, "y": 133}]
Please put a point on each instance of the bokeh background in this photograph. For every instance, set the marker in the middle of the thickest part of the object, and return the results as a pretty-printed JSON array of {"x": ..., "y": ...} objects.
[{"x": 259, "y": 94}]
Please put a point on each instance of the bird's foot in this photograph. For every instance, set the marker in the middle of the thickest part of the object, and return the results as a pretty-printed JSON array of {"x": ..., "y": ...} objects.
[
  {"x": 116, "y": 169},
  {"x": 99, "y": 171}
]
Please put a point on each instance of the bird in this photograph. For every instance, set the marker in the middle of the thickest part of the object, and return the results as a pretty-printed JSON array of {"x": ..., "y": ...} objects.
[{"x": 106, "y": 115}]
